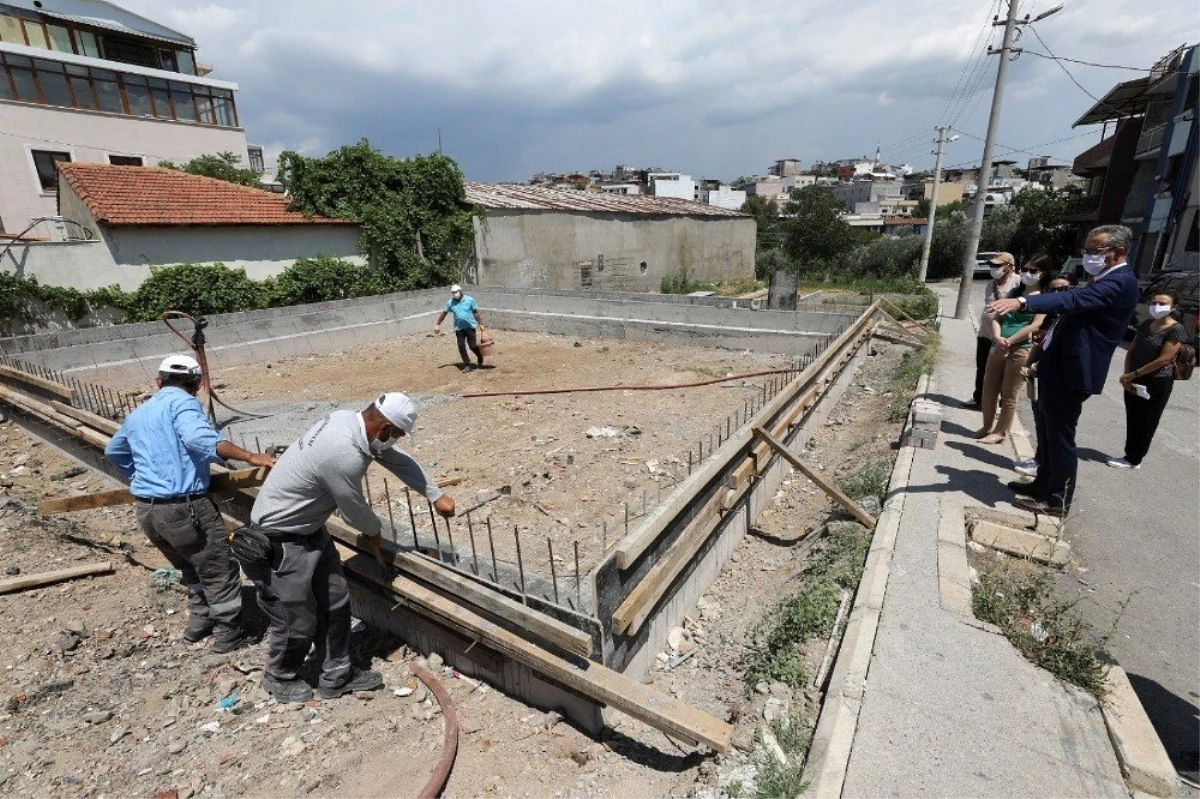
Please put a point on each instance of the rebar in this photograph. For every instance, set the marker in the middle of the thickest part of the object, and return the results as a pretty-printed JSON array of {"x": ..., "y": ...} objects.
[
  {"x": 578, "y": 585},
  {"x": 520, "y": 562},
  {"x": 474, "y": 554},
  {"x": 412, "y": 518},
  {"x": 387, "y": 497},
  {"x": 437, "y": 541},
  {"x": 492, "y": 547},
  {"x": 366, "y": 482},
  {"x": 450, "y": 539},
  {"x": 258, "y": 448},
  {"x": 553, "y": 572},
  {"x": 689, "y": 460},
  {"x": 728, "y": 429},
  {"x": 626, "y": 504}
]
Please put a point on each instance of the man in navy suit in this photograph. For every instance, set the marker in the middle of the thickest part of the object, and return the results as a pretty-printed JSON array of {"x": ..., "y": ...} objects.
[{"x": 1075, "y": 356}]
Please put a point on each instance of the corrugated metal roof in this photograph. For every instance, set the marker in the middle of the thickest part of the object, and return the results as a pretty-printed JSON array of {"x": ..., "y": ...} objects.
[
  {"x": 540, "y": 198},
  {"x": 120, "y": 27}
]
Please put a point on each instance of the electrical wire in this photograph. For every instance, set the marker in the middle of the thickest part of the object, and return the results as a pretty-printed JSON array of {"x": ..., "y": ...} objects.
[
  {"x": 1020, "y": 150},
  {"x": 1061, "y": 66},
  {"x": 993, "y": 7},
  {"x": 1084, "y": 63}
]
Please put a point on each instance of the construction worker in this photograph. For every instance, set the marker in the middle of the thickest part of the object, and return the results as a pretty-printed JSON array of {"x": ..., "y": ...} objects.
[
  {"x": 304, "y": 591},
  {"x": 165, "y": 447},
  {"x": 466, "y": 320}
]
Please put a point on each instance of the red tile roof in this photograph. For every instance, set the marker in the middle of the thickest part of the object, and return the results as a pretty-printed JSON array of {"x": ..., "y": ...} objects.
[{"x": 136, "y": 195}]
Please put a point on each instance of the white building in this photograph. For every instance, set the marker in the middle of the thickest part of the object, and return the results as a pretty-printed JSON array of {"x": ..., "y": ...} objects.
[
  {"x": 723, "y": 196},
  {"x": 88, "y": 81},
  {"x": 671, "y": 184}
]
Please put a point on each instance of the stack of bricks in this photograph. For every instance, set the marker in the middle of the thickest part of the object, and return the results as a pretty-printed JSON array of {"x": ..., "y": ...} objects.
[{"x": 925, "y": 422}]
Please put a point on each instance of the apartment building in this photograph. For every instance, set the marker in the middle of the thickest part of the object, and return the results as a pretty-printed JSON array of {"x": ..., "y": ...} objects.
[{"x": 89, "y": 81}]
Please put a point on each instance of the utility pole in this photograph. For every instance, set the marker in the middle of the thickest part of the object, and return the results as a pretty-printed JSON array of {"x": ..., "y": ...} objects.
[
  {"x": 985, "y": 168},
  {"x": 937, "y": 181}
]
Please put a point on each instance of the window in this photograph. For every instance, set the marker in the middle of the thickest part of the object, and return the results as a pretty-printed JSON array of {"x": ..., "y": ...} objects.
[
  {"x": 126, "y": 160},
  {"x": 129, "y": 52},
  {"x": 181, "y": 97},
  {"x": 10, "y": 30},
  {"x": 108, "y": 91},
  {"x": 60, "y": 38},
  {"x": 256, "y": 159},
  {"x": 53, "y": 83},
  {"x": 187, "y": 64},
  {"x": 86, "y": 44},
  {"x": 167, "y": 59},
  {"x": 138, "y": 96},
  {"x": 44, "y": 161}
]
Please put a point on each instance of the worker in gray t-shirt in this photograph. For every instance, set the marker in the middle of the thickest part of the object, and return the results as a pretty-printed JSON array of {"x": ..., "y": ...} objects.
[{"x": 304, "y": 594}]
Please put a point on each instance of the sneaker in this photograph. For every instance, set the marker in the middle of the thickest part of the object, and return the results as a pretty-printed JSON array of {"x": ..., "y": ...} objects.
[
  {"x": 360, "y": 680},
  {"x": 1030, "y": 470},
  {"x": 468, "y": 368},
  {"x": 287, "y": 691},
  {"x": 1024, "y": 462},
  {"x": 197, "y": 631},
  {"x": 1121, "y": 463}
]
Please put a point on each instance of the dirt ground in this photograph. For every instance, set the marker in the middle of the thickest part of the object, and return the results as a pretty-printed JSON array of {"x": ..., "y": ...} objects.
[{"x": 105, "y": 698}]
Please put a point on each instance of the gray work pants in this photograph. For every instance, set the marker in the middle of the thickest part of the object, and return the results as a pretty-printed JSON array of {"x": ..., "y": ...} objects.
[
  {"x": 307, "y": 601},
  {"x": 192, "y": 536}
]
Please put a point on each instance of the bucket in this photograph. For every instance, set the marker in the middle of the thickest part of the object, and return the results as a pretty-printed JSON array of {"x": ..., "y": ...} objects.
[{"x": 487, "y": 345}]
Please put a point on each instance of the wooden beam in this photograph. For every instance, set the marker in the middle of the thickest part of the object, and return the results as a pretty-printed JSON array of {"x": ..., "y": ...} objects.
[
  {"x": 553, "y": 631},
  {"x": 829, "y": 488},
  {"x": 633, "y": 612},
  {"x": 17, "y": 376},
  {"x": 223, "y": 481},
  {"x": 39, "y": 409},
  {"x": 593, "y": 680},
  {"x": 87, "y": 417},
  {"x": 900, "y": 311},
  {"x": 47, "y": 578}
]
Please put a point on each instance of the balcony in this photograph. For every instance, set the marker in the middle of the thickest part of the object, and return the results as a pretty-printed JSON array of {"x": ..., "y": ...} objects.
[{"x": 1083, "y": 208}]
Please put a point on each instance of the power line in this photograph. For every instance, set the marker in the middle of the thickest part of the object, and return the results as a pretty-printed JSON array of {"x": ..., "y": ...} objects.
[
  {"x": 970, "y": 65},
  {"x": 1084, "y": 63},
  {"x": 1066, "y": 71},
  {"x": 1027, "y": 152}
]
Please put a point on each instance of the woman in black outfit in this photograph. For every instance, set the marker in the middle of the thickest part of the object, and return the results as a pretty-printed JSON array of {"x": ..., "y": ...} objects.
[{"x": 1150, "y": 365}]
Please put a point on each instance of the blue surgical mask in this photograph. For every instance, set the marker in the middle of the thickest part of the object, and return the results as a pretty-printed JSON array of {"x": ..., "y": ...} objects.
[{"x": 1094, "y": 264}]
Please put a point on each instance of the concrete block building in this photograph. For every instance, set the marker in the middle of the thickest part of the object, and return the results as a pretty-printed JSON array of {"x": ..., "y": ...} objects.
[
  {"x": 533, "y": 237},
  {"x": 88, "y": 81}
]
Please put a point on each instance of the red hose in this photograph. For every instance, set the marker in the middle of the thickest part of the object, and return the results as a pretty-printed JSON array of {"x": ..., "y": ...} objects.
[
  {"x": 665, "y": 387},
  {"x": 441, "y": 771}
]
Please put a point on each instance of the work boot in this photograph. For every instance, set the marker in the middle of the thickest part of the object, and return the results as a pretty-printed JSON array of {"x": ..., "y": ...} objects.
[
  {"x": 229, "y": 639},
  {"x": 287, "y": 691},
  {"x": 360, "y": 680},
  {"x": 197, "y": 630}
]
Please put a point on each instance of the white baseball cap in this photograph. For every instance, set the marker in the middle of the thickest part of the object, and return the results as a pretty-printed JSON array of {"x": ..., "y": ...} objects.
[
  {"x": 398, "y": 409},
  {"x": 456, "y": 289},
  {"x": 179, "y": 365}
]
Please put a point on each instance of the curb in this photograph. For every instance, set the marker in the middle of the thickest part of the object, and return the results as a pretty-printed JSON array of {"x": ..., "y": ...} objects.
[
  {"x": 1143, "y": 759},
  {"x": 833, "y": 738}
]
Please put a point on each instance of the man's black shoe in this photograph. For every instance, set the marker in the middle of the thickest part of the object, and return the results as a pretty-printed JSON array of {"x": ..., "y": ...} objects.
[
  {"x": 1024, "y": 488},
  {"x": 360, "y": 680},
  {"x": 225, "y": 645},
  {"x": 286, "y": 691},
  {"x": 972, "y": 405},
  {"x": 1037, "y": 506},
  {"x": 197, "y": 631}
]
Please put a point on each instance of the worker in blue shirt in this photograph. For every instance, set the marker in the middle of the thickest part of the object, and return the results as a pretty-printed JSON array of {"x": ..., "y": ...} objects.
[
  {"x": 466, "y": 320},
  {"x": 165, "y": 447}
]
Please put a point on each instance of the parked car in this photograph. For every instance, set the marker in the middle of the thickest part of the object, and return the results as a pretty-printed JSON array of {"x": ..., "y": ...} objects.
[
  {"x": 982, "y": 267},
  {"x": 1074, "y": 267},
  {"x": 1186, "y": 288}
]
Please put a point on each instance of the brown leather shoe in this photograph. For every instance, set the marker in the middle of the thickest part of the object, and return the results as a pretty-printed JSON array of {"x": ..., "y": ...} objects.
[{"x": 1037, "y": 506}]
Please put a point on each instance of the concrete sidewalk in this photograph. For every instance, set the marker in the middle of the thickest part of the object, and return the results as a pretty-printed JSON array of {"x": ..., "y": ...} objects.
[{"x": 948, "y": 707}]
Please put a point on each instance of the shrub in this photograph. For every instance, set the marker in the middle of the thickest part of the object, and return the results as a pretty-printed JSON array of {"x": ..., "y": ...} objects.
[
  {"x": 886, "y": 258},
  {"x": 322, "y": 279},
  {"x": 197, "y": 289}
]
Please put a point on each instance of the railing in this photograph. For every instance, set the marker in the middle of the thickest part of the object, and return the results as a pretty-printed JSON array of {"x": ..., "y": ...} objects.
[{"x": 1151, "y": 139}]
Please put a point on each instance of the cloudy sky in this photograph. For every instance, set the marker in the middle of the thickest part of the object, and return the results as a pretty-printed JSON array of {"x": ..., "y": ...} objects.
[{"x": 715, "y": 89}]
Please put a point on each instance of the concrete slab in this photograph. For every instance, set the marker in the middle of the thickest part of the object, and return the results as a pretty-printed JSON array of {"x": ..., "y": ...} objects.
[
  {"x": 1021, "y": 543},
  {"x": 1142, "y": 756}
]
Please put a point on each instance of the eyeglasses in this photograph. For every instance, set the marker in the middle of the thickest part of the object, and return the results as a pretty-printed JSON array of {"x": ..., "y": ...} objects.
[
  {"x": 1030, "y": 270},
  {"x": 1095, "y": 250},
  {"x": 1057, "y": 289}
]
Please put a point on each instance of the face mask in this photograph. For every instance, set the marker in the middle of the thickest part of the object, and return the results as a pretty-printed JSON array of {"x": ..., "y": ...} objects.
[
  {"x": 1159, "y": 311},
  {"x": 378, "y": 446},
  {"x": 997, "y": 272},
  {"x": 1030, "y": 278},
  {"x": 1094, "y": 264}
]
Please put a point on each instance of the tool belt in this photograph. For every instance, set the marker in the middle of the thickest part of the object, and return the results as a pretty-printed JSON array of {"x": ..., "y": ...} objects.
[{"x": 251, "y": 547}]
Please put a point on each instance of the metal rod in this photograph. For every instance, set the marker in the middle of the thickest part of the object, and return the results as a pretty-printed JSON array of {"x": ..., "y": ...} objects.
[
  {"x": 604, "y": 531},
  {"x": 412, "y": 518},
  {"x": 366, "y": 481},
  {"x": 492, "y": 546},
  {"x": 474, "y": 554},
  {"x": 578, "y": 585},
  {"x": 643, "y": 502},
  {"x": 111, "y": 402},
  {"x": 689, "y": 460},
  {"x": 553, "y": 572},
  {"x": 626, "y": 504},
  {"x": 437, "y": 541},
  {"x": 727, "y": 428},
  {"x": 387, "y": 497},
  {"x": 520, "y": 562},
  {"x": 450, "y": 538},
  {"x": 258, "y": 448}
]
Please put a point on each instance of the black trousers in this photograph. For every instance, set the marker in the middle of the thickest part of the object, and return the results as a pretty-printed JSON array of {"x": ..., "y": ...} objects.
[
  {"x": 1142, "y": 416},
  {"x": 466, "y": 338},
  {"x": 983, "y": 348},
  {"x": 1060, "y": 407}
]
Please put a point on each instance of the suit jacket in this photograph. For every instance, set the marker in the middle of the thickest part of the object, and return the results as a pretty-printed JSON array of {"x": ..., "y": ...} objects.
[{"x": 1091, "y": 324}]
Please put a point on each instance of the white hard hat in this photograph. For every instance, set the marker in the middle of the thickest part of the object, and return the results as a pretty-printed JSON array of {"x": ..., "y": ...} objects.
[
  {"x": 398, "y": 409},
  {"x": 179, "y": 365},
  {"x": 456, "y": 289}
]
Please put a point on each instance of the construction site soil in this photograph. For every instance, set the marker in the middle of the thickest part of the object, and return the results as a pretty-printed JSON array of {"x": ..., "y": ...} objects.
[{"x": 105, "y": 698}]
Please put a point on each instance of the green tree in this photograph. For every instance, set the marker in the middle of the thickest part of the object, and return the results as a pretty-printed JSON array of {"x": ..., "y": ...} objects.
[
  {"x": 416, "y": 225},
  {"x": 922, "y": 208},
  {"x": 1042, "y": 225},
  {"x": 815, "y": 236},
  {"x": 222, "y": 166}
]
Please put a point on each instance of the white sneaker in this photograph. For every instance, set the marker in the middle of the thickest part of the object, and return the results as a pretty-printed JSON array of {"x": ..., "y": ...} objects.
[
  {"x": 1024, "y": 462},
  {"x": 1121, "y": 463},
  {"x": 1028, "y": 469}
]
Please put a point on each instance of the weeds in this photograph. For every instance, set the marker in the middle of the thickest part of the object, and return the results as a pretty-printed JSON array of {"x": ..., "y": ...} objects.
[
  {"x": 776, "y": 780},
  {"x": 681, "y": 283},
  {"x": 871, "y": 480},
  {"x": 734, "y": 789},
  {"x": 913, "y": 364},
  {"x": 1048, "y": 632}
]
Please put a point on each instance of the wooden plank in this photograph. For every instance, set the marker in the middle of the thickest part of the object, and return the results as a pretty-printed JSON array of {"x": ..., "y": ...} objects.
[
  {"x": 17, "y": 376},
  {"x": 900, "y": 311},
  {"x": 222, "y": 481},
  {"x": 593, "y": 680},
  {"x": 47, "y": 578},
  {"x": 92, "y": 420},
  {"x": 631, "y": 546},
  {"x": 539, "y": 625},
  {"x": 39, "y": 409},
  {"x": 829, "y": 488},
  {"x": 636, "y": 608}
]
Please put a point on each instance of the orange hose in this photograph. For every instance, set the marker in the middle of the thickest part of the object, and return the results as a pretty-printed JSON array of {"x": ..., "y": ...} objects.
[
  {"x": 664, "y": 387},
  {"x": 441, "y": 770}
]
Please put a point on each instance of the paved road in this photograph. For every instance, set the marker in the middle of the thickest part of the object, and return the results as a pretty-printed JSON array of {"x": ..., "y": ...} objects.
[{"x": 1136, "y": 539}]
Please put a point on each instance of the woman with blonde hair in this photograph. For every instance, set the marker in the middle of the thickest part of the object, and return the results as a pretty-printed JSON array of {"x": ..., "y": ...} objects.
[{"x": 1010, "y": 335}]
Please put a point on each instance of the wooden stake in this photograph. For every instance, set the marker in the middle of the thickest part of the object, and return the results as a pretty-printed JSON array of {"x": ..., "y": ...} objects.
[
  {"x": 28, "y": 581},
  {"x": 833, "y": 491}
]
